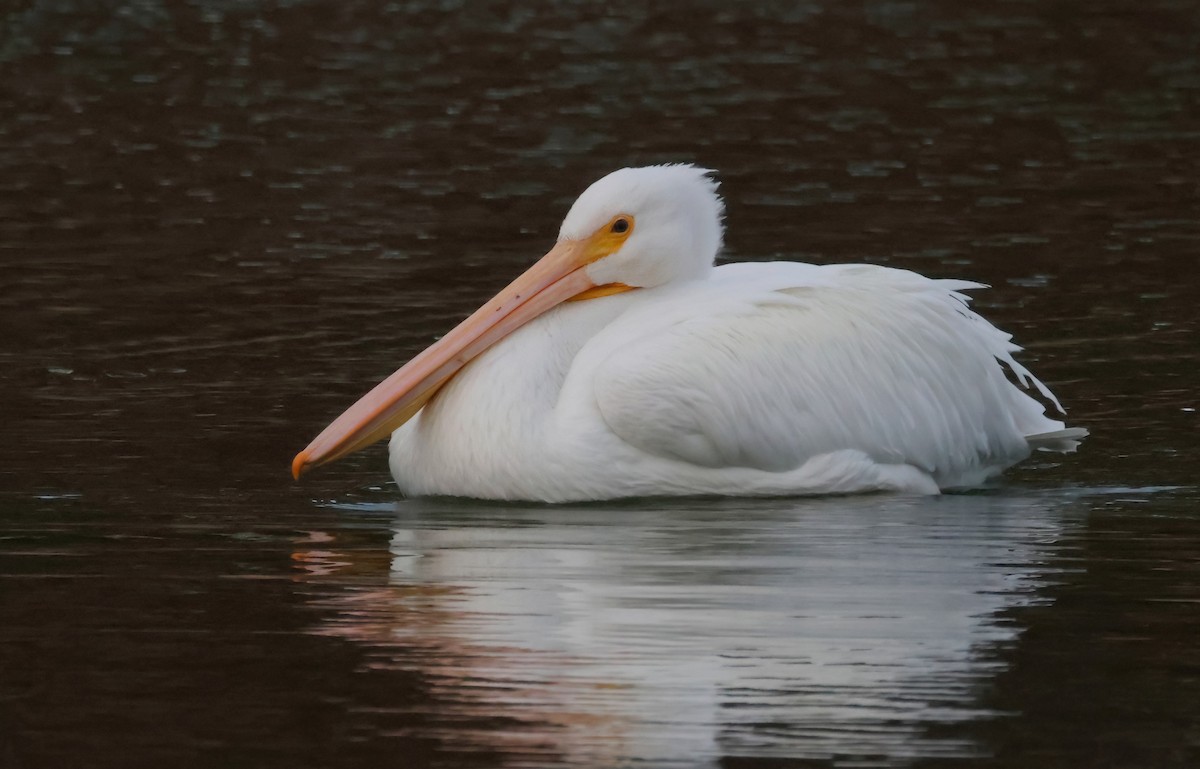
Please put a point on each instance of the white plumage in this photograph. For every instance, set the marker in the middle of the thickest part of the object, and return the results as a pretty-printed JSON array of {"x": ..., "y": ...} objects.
[{"x": 745, "y": 379}]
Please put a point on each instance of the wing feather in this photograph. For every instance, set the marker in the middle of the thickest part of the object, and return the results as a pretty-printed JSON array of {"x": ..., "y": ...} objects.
[{"x": 769, "y": 365}]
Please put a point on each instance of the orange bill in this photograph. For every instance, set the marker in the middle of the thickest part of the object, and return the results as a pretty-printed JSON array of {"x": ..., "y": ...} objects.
[{"x": 559, "y": 276}]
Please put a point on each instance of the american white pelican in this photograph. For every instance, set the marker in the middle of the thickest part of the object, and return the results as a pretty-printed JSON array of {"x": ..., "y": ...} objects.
[{"x": 623, "y": 363}]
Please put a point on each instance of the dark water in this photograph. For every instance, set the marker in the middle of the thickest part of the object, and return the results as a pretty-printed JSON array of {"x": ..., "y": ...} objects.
[{"x": 221, "y": 221}]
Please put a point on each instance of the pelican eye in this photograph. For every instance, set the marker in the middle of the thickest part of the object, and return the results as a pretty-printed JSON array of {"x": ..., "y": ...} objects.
[{"x": 620, "y": 226}]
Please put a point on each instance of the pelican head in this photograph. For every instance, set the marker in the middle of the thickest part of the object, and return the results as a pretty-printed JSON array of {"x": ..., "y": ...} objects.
[
  {"x": 635, "y": 228},
  {"x": 673, "y": 215}
]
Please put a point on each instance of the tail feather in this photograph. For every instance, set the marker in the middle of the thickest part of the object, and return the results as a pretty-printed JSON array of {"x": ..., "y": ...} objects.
[{"x": 1065, "y": 440}]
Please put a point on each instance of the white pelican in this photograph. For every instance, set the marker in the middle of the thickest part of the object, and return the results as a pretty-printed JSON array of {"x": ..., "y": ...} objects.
[{"x": 623, "y": 363}]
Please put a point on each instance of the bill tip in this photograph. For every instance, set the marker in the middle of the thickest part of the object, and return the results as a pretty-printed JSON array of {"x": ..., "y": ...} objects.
[{"x": 299, "y": 465}]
